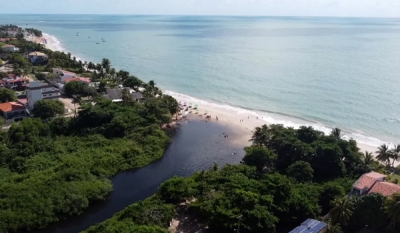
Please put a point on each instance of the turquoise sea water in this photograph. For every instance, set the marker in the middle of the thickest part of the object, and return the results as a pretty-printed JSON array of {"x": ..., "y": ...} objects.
[{"x": 324, "y": 72}]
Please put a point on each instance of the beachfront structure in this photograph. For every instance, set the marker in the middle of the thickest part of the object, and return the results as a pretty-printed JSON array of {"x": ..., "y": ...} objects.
[
  {"x": 311, "y": 226},
  {"x": 115, "y": 94},
  {"x": 37, "y": 91},
  {"x": 374, "y": 182},
  {"x": 37, "y": 57},
  {"x": 8, "y": 48},
  {"x": 11, "y": 110}
]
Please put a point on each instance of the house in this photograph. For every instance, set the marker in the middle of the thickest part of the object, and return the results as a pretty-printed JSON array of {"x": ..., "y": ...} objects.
[
  {"x": 365, "y": 183},
  {"x": 311, "y": 226},
  {"x": 37, "y": 57},
  {"x": 37, "y": 91},
  {"x": 9, "y": 48},
  {"x": 374, "y": 182},
  {"x": 63, "y": 74},
  {"x": 385, "y": 188},
  {"x": 115, "y": 94},
  {"x": 77, "y": 79},
  {"x": 13, "y": 81},
  {"x": 10, "y": 110}
]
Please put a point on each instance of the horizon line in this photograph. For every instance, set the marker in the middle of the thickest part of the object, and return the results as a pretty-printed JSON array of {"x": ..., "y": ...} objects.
[{"x": 205, "y": 15}]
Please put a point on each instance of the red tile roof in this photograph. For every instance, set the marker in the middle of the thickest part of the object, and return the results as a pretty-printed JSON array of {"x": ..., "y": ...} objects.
[
  {"x": 385, "y": 188},
  {"x": 22, "y": 101},
  {"x": 79, "y": 79},
  {"x": 11, "y": 106},
  {"x": 367, "y": 180},
  {"x": 8, "y": 46}
]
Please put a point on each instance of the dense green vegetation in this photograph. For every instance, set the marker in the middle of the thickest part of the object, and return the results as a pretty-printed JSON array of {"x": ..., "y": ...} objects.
[
  {"x": 34, "y": 31},
  {"x": 46, "y": 109},
  {"x": 7, "y": 95},
  {"x": 286, "y": 177}
]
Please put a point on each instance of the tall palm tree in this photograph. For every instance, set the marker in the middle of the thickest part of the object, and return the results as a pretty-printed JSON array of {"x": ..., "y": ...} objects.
[
  {"x": 392, "y": 208},
  {"x": 342, "y": 209},
  {"x": 337, "y": 133},
  {"x": 106, "y": 64},
  {"x": 395, "y": 154},
  {"x": 384, "y": 154},
  {"x": 261, "y": 135},
  {"x": 368, "y": 158}
]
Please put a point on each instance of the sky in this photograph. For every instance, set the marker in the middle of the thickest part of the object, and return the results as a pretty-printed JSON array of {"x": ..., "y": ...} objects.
[{"x": 347, "y": 8}]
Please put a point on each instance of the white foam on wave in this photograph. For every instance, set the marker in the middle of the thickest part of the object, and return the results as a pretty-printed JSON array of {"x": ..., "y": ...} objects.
[
  {"x": 281, "y": 119},
  {"x": 56, "y": 45}
]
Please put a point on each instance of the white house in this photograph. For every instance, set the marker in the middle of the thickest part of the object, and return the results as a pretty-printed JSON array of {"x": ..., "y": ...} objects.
[
  {"x": 37, "y": 91},
  {"x": 63, "y": 74},
  {"x": 9, "y": 48},
  {"x": 37, "y": 57}
]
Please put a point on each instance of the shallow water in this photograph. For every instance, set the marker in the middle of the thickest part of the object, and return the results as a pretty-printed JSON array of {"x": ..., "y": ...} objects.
[
  {"x": 325, "y": 72},
  {"x": 195, "y": 146}
]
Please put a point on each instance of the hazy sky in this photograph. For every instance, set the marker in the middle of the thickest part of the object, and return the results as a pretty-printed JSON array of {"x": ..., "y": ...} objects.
[{"x": 368, "y": 8}]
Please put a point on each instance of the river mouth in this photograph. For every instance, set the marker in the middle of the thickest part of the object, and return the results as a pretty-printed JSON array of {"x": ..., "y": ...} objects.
[{"x": 195, "y": 146}]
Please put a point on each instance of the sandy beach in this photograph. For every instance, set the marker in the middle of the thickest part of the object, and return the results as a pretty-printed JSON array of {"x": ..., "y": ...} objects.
[
  {"x": 40, "y": 40},
  {"x": 240, "y": 122}
]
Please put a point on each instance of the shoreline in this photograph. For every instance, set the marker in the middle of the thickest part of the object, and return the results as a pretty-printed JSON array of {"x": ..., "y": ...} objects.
[{"x": 229, "y": 116}]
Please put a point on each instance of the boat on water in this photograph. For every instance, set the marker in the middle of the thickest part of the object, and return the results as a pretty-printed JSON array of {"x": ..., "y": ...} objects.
[{"x": 97, "y": 43}]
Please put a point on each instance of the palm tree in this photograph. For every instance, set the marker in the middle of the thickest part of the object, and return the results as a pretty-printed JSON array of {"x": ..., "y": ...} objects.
[
  {"x": 105, "y": 63},
  {"x": 395, "y": 153},
  {"x": 342, "y": 209},
  {"x": 368, "y": 159},
  {"x": 261, "y": 135},
  {"x": 337, "y": 133},
  {"x": 392, "y": 208},
  {"x": 126, "y": 98},
  {"x": 384, "y": 154}
]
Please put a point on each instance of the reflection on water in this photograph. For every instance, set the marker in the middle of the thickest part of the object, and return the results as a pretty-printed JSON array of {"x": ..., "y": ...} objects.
[{"x": 196, "y": 146}]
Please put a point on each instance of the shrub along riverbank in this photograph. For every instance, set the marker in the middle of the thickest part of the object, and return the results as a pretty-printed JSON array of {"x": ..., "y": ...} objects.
[
  {"x": 53, "y": 169},
  {"x": 288, "y": 176}
]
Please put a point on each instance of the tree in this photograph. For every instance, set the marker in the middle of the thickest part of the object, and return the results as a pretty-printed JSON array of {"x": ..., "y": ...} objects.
[
  {"x": 261, "y": 135},
  {"x": 106, "y": 65},
  {"x": 7, "y": 95},
  {"x": 132, "y": 82},
  {"x": 342, "y": 209},
  {"x": 126, "y": 97},
  {"x": 301, "y": 171},
  {"x": 384, "y": 154},
  {"x": 46, "y": 109},
  {"x": 395, "y": 154},
  {"x": 337, "y": 133},
  {"x": 368, "y": 159},
  {"x": 170, "y": 103},
  {"x": 330, "y": 191},
  {"x": 260, "y": 157},
  {"x": 392, "y": 209}
]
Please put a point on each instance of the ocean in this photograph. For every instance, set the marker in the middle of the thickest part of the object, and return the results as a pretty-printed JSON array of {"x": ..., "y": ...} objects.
[{"x": 322, "y": 72}]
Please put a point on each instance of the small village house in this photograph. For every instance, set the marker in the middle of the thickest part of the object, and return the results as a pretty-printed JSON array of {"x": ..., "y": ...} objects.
[
  {"x": 9, "y": 48},
  {"x": 63, "y": 74},
  {"x": 37, "y": 57},
  {"x": 37, "y": 91},
  {"x": 115, "y": 94},
  {"x": 10, "y": 110},
  {"x": 13, "y": 81},
  {"x": 374, "y": 182},
  {"x": 311, "y": 226}
]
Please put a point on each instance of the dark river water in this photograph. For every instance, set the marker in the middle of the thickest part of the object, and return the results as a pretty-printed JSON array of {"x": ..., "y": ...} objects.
[{"x": 196, "y": 146}]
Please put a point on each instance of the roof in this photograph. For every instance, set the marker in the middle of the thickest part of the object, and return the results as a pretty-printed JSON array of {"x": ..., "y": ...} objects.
[
  {"x": 23, "y": 101},
  {"x": 116, "y": 94},
  {"x": 11, "y": 106},
  {"x": 38, "y": 54},
  {"x": 309, "y": 226},
  {"x": 367, "y": 180},
  {"x": 12, "y": 75},
  {"x": 79, "y": 79},
  {"x": 8, "y": 46},
  {"x": 385, "y": 188}
]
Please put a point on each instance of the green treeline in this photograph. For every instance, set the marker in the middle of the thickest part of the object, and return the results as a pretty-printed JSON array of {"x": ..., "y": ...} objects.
[
  {"x": 53, "y": 169},
  {"x": 286, "y": 177}
]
